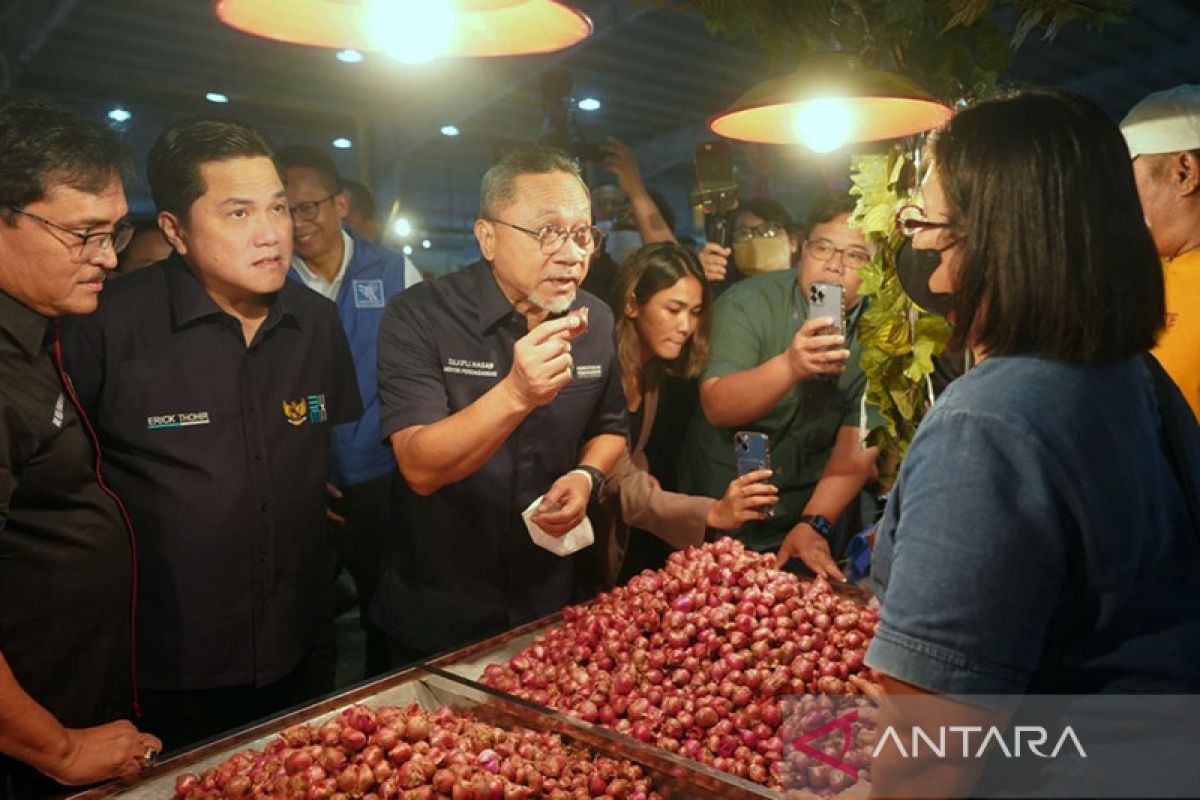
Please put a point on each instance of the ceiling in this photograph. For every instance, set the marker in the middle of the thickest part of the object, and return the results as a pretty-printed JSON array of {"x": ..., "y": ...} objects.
[{"x": 657, "y": 72}]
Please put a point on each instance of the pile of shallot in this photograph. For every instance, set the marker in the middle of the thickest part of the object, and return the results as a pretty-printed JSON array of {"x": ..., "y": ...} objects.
[
  {"x": 697, "y": 657},
  {"x": 379, "y": 754}
]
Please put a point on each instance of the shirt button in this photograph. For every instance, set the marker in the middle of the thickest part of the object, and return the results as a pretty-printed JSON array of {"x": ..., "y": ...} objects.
[
  {"x": 263, "y": 508},
  {"x": 258, "y": 456}
]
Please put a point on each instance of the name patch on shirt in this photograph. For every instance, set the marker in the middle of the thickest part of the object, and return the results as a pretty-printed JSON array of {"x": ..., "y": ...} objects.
[
  {"x": 464, "y": 366},
  {"x": 306, "y": 409},
  {"x": 368, "y": 294},
  {"x": 589, "y": 370},
  {"x": 182, "y": 420}
]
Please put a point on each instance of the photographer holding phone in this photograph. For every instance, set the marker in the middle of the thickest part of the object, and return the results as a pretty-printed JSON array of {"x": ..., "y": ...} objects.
[
  {"x": 778, "y": 370},
  {"x": 662, "y": 332}
]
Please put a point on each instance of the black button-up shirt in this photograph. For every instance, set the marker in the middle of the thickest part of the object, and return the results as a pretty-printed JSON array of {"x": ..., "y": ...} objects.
[
  {"x": 65, "y": 558},
  {"x": 219, "y": 451},
  {"x": 465, "y": 565}
]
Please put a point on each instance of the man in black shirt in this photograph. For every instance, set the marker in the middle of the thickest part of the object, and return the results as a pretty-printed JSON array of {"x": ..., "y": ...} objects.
[
  {"x": 65, "y": 556},
  {"x": 214, "y": 383},
  {"x": 497, "y": 384}
]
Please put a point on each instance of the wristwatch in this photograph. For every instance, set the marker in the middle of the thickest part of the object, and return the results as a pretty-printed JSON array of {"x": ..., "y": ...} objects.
[
  {"x": 818, "y": 523},
  {"x": 596, "y": 476}
]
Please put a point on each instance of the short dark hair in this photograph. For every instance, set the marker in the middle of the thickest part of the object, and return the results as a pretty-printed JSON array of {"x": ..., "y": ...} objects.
[
  {"x": 1056, "y": 259},
  {"x": 42, "y": 145},
  {"x": 827, "y": 208},
  {"x": 767, "y": 210},
  {"x": 496, "y": 190},
  {"x": 173, "y": 166},
  {"x": 361, "y": 199},
  {"x": 645, "y": 273},
  {"x": 314, "y": 158}
]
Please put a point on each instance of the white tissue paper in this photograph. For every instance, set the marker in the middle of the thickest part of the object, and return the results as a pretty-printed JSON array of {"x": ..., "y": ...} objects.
[{"x": 572, "y": 541}]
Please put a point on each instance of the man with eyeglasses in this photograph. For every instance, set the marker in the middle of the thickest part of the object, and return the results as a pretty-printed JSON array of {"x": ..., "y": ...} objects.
[
  {"x": 763, "y": 241},
  {"x": 359, "y": 277},
  {"x": 498, "y": 385},
  {"x": 214, "y": 384},
  {"x": 775, "y": 370},
  {"x": 66, "y": 561}
]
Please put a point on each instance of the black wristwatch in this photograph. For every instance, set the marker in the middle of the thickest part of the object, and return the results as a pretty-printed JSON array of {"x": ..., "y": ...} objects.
[
  {"x": 818, "y": 523},
  {"x": 597, "y": 478}
]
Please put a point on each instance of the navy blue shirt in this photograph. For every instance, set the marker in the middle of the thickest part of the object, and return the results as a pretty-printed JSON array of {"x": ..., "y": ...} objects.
[
  {"x": 219, "y": 451},
  {"x": 1038, "y": 541},
  {"x": 466, "y": 566}
]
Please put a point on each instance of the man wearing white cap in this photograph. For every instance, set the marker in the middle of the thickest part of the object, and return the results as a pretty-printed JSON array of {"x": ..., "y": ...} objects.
[{"x": 1163, "y": 134}]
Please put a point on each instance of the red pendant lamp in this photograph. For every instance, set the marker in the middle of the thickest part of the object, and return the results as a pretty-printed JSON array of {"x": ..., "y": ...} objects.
[
  {"x": 829, "y": 100},
  {"x": 413, "y": 30}
]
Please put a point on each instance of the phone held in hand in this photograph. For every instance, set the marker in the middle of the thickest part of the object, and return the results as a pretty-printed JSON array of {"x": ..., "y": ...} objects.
[
  {"x": 752, "y": 451},
  {"x": 827, "y": 300}
]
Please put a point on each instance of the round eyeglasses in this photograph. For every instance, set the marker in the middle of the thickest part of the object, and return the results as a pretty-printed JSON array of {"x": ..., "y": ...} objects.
[
  {"x": 551, "y": 238},
  {"x": 911, "y": 220},
  {"x": 825, "y": 250}
]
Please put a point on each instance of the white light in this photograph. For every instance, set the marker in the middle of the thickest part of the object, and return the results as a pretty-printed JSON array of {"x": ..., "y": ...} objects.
[
  {"x": 408, "y": 250},
  {"x": 426, "y": 244},
  {"x": 449, "y": 130},
  {"x": 402, "y": 227},
  {"x": 342, "y": 143},
  {"x": 411, "y": 31},
  {"x": 349, "y": 56},
  {"x": 589, "y": 104},
  {"x": 824, "y": 124},
  {"x": 119, "y": 114},
  {"x": 216, "y": 97}
]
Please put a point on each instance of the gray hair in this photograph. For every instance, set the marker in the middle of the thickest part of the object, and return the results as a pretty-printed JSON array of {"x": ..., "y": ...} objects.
[{"x": 497, "y": 190}]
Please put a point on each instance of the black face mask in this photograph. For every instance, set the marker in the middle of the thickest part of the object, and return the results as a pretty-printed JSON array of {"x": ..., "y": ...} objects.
[{"x": 914, "y": 267}]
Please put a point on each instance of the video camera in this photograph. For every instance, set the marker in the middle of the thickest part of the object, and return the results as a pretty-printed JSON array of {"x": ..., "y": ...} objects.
[
  {"x": 559, "y": 126},
  {"x": 716, "y": 192}
]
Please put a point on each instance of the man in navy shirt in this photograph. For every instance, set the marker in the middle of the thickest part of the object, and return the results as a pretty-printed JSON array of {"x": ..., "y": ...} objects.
[
  {"x": 498, "y": 385},
  {"x": 359, "y": 277},
  {"x": 214, "y": 384}
]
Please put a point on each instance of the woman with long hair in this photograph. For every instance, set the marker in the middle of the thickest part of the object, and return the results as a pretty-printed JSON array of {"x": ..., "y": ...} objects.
[
  {"x": 662, "y": 321},
  {"x": 1042, "y": 535}
]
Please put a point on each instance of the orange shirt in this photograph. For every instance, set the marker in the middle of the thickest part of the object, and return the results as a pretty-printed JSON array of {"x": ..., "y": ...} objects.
[{"x": 1178, "y": 349}]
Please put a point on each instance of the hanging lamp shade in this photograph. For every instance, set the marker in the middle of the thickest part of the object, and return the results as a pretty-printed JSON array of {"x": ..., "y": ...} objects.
[
  {"x": 832, "y": 90},
  {"x": 420, "y": 27}
]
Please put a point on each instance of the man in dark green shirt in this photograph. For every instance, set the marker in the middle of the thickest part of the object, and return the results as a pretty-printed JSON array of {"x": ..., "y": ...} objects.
[{"x": 776, "y": 371}]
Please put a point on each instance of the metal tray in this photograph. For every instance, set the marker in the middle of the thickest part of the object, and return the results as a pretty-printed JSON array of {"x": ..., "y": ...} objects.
[
  {"x": 430, "y": 688},
  {"x": 468, "y": 663}
]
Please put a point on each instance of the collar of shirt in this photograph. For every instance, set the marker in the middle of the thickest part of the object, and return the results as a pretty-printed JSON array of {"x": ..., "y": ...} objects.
[
  {"x": 328, "y": 289},
  {"x": 493, "y": 307},
  {"x": 29, "y": 329},
  {"x": 190, "y": 303}
]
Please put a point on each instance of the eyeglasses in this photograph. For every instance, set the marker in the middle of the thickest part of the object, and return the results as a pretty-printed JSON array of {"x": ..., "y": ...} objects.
[
  {"x": 87, "y": 244},
  {"x": 911, "y": 220},
  {"x": 551, "y": 238},
  {"x": 824, "y": 250},
  {"x": 768, "y": 230},
  {"x": 309, "y": 209}
]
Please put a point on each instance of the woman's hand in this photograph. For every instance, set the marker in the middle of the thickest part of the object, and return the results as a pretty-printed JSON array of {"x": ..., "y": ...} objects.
[{"x": 747, "y": 498}]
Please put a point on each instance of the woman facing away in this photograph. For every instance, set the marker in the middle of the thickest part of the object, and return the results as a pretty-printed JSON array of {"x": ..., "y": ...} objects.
[
  {"x": 662, "y": 321},
  {"x": 1040, "y": 538}
]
